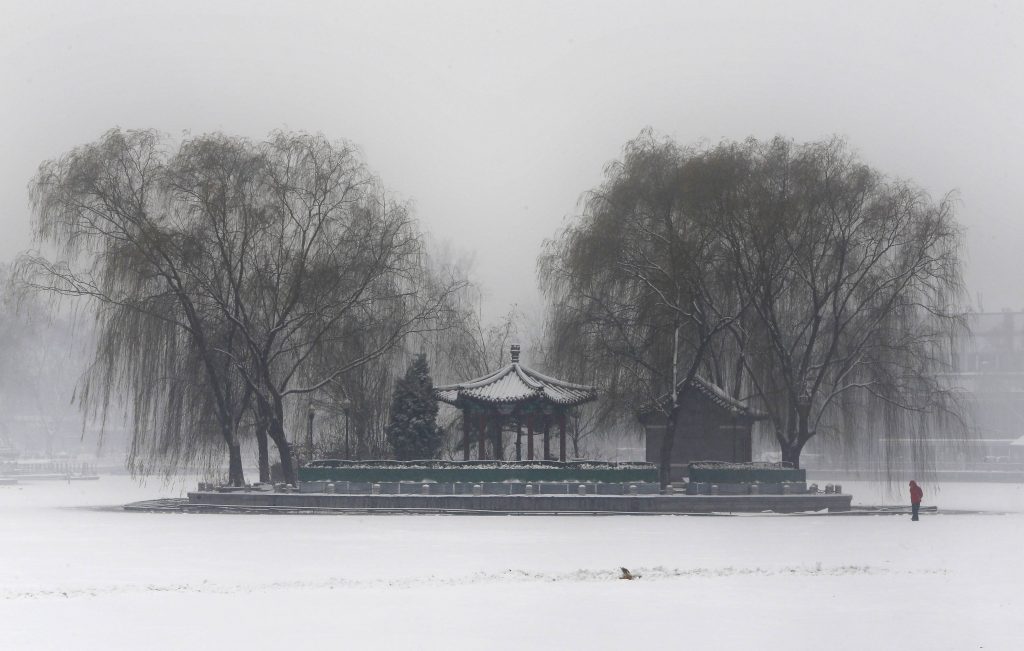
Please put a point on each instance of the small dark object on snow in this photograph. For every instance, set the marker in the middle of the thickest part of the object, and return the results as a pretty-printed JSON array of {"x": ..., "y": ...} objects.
[{"x": 627, "y": 575}]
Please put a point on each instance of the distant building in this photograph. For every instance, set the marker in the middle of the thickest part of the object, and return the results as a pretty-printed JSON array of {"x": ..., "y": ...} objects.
[
  {"x": 986, "y": 366},
  {"x": 989, "y": 366},
  {"x": 712, "y": 427}
]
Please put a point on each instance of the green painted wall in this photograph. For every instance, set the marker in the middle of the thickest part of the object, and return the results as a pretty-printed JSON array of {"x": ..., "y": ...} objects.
[
  {"x": 745, "y": 476},
  {"x": 478, "y": 472}
]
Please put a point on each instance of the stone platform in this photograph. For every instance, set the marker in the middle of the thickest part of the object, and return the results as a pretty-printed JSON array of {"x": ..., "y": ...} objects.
[{"x": 515, "y": 504}]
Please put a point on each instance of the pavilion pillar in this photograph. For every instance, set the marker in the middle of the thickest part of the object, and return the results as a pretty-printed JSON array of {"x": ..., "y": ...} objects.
[
  {"x": 529, "y": 437},
  {"x": 519, "y": 440},
  {"x": 465, "y": 434},
  {"x": 499, "y": 449},
  {"x": 561, "y": 436},
  {"x": 547, "y": 437},
  {"x": 481, "y": 438}
]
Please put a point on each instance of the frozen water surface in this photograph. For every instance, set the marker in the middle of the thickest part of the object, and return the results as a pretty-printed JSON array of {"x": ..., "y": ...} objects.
[{"x": 77, "y": 573}]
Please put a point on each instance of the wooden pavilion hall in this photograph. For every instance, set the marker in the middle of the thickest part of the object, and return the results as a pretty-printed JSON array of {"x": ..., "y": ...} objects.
[{"x": 509, "y": 399}]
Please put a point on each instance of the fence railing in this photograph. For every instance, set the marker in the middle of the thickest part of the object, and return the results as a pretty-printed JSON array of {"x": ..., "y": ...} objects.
[{"x": 57, "y": 467}]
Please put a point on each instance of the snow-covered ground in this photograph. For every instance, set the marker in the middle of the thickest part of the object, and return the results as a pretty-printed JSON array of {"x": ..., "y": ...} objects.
[{"x": 77, "y": 573}]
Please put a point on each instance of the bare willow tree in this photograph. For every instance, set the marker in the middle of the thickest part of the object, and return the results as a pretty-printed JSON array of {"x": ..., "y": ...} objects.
[
  {"x": 103, "y": 209},
  {"x": 854, "y": 281},
  {"x": 228, "y": 277},
  {"x": 634, "y": 284},
  {"x": 795, "y": 276},
  {"x": 325, "y": 271}
]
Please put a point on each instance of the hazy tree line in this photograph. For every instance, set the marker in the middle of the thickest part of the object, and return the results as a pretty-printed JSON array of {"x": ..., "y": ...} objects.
[
  {"x": 36, "y": 417},
  {"x": 793, "y": 276}
]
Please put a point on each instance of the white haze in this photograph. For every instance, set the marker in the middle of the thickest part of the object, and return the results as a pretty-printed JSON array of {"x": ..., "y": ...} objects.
[{"x": 493, "y": 117}]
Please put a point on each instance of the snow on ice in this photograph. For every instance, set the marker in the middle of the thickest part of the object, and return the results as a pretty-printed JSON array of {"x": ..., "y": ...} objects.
[{"x": 77, "y": 572}]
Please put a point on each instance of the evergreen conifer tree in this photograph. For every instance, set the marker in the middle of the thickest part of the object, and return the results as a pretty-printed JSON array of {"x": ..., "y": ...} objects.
[{"x": 413, "y": 431}]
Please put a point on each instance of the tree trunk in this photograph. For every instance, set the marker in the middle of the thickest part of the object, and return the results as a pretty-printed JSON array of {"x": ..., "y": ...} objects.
[
  {"x": 236, "y": 477},
  {"x": 273, "y": 410},
  {"x": 284, "y": 450},
  {"x": 668, "y": 441},
  {"x": 794, "y": 445},
  {"x": 263, "y": 451},
  {"x": 791, "y": 453}
]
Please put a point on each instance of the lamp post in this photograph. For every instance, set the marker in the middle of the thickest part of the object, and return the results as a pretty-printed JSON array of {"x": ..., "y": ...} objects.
[
  {"x": 309, "y": 431},
  {"x": 345, "y": 404}
]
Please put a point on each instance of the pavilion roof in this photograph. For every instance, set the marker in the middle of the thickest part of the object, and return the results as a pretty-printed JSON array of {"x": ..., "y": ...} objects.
[
  {"x": 715, "y": 395},
  {"x": 516, "y": 383}
]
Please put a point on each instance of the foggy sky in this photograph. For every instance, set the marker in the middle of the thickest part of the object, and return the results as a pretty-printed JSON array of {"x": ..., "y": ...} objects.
[{"x": 494, "y": 117}]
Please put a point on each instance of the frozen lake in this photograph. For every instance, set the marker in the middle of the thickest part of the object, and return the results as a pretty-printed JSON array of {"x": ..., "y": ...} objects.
[{"x": 75, "y": 572}]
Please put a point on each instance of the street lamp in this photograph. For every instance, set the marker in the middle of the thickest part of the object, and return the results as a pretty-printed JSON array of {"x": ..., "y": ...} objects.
[
  {"x": 309, "y": 431},
  {"x": 345, "y": 405}
]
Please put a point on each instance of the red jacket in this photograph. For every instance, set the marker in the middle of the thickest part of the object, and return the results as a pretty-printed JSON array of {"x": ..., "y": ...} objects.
[{"x": 915, "y": 493}]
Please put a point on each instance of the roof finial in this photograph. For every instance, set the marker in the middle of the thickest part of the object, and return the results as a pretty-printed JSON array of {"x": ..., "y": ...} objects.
[{"x": 515, "y": 353}]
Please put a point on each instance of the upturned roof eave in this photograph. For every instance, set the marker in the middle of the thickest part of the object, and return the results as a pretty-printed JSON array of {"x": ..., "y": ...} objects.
[
  {"x": 461, "y": 400},
  {"x": 560, "y": 383},
  {"x": 713, "y": 395},
  {"x": 537, "y": 385}
]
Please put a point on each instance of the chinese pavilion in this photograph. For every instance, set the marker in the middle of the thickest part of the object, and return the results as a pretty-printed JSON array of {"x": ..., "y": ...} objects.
[{"x": 513, "y": 396}]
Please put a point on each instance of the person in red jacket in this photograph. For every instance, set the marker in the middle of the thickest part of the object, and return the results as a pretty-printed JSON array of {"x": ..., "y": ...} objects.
[{"x": 915, "y": 498}]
